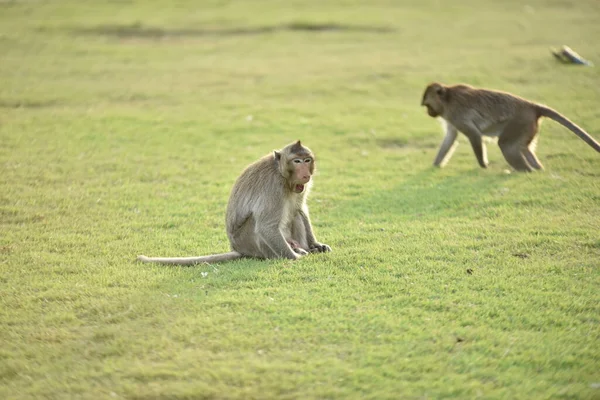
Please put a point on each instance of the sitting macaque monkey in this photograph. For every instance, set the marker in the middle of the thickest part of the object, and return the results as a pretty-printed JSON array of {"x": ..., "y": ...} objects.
[
  {"x": 267, "y": 215},
  {"x": 481, "y": 112}
]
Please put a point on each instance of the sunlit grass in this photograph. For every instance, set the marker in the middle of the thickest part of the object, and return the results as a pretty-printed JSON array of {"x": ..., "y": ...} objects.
[{"x": 123, "y": 126}]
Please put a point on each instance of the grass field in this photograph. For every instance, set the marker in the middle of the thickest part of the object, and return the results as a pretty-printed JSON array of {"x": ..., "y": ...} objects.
[{"x": 123, "y": 125}]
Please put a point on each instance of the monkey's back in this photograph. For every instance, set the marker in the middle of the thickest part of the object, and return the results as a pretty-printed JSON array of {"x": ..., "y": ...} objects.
[
  {"x": 257, "y": 189},
  {"x": 502, "y": 105}
]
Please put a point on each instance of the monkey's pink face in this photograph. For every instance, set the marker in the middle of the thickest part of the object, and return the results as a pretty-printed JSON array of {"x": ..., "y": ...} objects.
[{"x": 303, "y": 169}]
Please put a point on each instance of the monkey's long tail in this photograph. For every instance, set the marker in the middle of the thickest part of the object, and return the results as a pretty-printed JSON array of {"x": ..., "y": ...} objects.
[
  {"x": 214, "y": 258},
  {"x": 564, "y": 121}
]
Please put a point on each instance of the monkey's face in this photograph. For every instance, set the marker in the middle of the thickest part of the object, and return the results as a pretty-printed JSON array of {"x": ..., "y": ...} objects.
[
  {"x": 301, "y": 169},
  {"x": 432, "y": 99},
  {"x": 296, "y": 164},
  {"x": 431, "y": 111}
]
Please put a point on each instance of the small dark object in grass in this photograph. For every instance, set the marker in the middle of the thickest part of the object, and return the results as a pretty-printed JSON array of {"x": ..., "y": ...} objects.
[
  {"x": 568, "y": 56},
  {"x": 469, "y": 271},
  {"x": 521, "y": 255}
]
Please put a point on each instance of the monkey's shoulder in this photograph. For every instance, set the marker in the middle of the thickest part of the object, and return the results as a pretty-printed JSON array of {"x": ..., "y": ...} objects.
[{"x": 461, "y": 87}]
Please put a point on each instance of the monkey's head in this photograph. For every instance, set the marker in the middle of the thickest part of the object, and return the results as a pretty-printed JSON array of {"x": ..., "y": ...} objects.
[
  {"x": 296, "y": 164},
  {"x": 434, "y": 98}
]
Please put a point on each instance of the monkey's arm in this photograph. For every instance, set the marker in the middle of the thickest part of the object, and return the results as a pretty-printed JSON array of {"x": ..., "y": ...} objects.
[
  {"x": 475, "y": 137},
  {"x": 448, "y": 146},
  {"x": 479, "y": 150},
  {"x": 313, "y": 245}
]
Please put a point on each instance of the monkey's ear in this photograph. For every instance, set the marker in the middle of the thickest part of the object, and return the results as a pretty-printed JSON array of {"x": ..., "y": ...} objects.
[
  {"x": 441, "y": 91},
  {"x": 298, "y": 143},
  {"x": 277, "y": 155}
]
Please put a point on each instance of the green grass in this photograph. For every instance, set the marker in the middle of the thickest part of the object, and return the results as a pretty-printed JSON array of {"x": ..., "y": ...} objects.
[{"x": 123, "y": 125}]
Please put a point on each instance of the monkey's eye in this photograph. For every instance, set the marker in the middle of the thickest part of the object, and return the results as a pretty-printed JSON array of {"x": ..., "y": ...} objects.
[
  {"x": 308, "y": 160},
  {"x": 297, "y": 161}
]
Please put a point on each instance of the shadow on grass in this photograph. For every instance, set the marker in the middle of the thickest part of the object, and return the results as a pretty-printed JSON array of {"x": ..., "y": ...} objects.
[
  {"x": 26, "y": 104},
  {"x": 426, "y": 195},
  {"x": 139, "y": 31}
]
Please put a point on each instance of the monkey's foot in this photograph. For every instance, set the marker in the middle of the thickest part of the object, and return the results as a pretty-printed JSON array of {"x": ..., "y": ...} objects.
[{"x": 320, "y": 248}]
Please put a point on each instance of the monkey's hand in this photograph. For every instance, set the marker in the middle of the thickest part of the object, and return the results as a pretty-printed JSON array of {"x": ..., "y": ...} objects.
[{"x": 319, "y": 248}]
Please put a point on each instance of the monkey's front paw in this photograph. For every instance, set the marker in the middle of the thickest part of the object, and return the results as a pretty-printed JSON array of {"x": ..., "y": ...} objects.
[{"x": 320, "y": 248}]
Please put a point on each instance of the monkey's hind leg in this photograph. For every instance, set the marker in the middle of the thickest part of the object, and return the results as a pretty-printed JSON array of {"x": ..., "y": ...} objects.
[
  {"x": 532, "y": 159},
  {"x": 514, "y": 155},
  {"x": 530, "y": 154},
  {"x": 272, "y": 244},
  {"x": 514, "y": 142},
  {"x": 298, "y": 232}
]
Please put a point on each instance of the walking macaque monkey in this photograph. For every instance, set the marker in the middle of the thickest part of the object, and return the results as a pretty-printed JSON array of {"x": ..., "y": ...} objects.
[
  {"x": 267, "y": 215},
  {"x": 481, "y": 112}
]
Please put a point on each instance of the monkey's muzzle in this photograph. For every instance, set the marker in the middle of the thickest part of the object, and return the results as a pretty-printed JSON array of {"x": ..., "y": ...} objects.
[
  {"x": 431, "y": 111},
  {"x": 298, "y": 188}
]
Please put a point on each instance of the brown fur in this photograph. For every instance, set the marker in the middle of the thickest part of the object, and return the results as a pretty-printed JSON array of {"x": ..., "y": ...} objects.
[
  {"x": 267, "y": 215},
  {"x": 482, "y": 112}
]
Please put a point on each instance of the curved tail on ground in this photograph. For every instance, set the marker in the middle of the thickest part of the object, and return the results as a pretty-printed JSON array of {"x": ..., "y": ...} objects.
[
  {"x": 564, "y": 121},
  {"x": 214, "y": 258}
]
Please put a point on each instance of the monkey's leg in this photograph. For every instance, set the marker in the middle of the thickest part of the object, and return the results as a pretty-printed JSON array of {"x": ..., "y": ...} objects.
[
  {"x": 479, "y": 150},
  {"x": 302, "y": 227},
  {"x": 514, "y": 141},
  {"x": 257, "y": 238},
  {"x": 243, "y": 238},
  {"x": 532, "y": 159},
  {"x": 477, "y": 144},
  {"x": 530, "y": 154},
  {"x": 447, "y": 147},
  {"x": 299, "y": 232},
  {"x": 514, "y": 155},
  {"x": 271, "y": 242}
]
